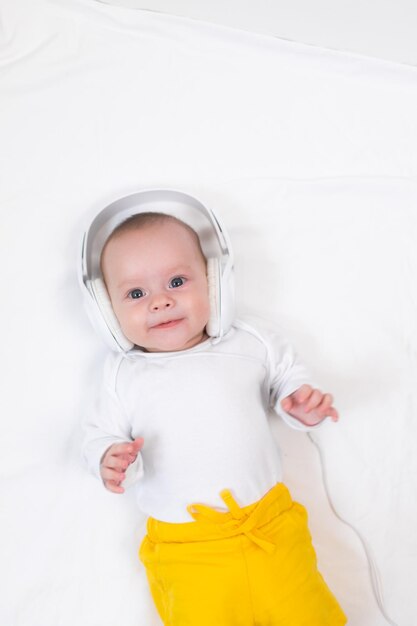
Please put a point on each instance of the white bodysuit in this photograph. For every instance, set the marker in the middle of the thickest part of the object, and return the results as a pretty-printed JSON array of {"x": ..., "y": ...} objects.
[{"x": 204, "y": 416}]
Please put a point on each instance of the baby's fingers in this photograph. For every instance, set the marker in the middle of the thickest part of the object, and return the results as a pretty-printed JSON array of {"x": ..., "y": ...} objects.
[
  {"x": 325, "y": 409},
  {"x": 287, "y": 404},
  {"x": 136, "y": 445},
  {"x": 111, "y": 475},
  {"x": 313, "y": 401},
  {"x": 113, "y": 486},
  {"x": 129, "y": 449},
  {"x": 325, "y": 404},
  {"x": 296, "y": 398},
  {"x": 119, "y": 462},
  {"x": 333, "y": 414},
  {"x": 121, "y": 448},
  {"x": 302, "y": 394}
]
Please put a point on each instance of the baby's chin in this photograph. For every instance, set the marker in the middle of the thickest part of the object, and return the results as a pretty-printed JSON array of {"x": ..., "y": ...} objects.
[{"x": 172, "y": 344}]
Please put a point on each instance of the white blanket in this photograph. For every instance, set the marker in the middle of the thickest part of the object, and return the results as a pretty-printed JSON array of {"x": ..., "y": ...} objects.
[{"x": 310, "y": 158}]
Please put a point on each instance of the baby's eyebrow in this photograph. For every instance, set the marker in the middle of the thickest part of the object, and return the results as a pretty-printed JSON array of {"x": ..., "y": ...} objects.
[
  {"x": 179, "y": 269},
  {"x": 137, "y": 281},
  {"x": 130, "y": 282}
]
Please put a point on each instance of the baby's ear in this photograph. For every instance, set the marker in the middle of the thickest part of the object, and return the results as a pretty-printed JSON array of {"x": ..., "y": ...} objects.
[
  {"x": 213, "y": 279},
  {"x": 105, "y": 310}
]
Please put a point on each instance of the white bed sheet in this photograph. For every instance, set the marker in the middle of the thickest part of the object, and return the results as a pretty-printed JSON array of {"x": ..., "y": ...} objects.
[{"x": 310, "y": 158}]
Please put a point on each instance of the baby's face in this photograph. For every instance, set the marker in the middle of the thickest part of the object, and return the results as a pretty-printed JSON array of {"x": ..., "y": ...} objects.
[{"x": 157, "y": 282}]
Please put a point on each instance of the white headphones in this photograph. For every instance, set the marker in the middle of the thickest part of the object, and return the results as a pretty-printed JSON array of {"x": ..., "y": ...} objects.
[{"x": 214, "y": 241}]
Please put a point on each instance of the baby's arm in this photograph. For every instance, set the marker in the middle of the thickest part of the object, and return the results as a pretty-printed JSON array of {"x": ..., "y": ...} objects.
[
  {"x": 293, "y": 395},
  {"x": 106, "y": 427},
  {"x": 310, "y": 406},
  {"x": 115, "y": 462}
]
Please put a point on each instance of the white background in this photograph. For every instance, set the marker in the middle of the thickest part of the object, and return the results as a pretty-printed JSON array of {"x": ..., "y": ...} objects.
[{"x": 378, "y": 28}]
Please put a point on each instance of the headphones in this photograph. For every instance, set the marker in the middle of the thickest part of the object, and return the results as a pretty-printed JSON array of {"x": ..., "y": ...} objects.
[{"x": 214, "y": 242}]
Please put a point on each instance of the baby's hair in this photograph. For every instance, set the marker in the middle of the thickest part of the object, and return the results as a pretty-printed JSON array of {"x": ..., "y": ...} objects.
[{"x": 148, "y": 218}]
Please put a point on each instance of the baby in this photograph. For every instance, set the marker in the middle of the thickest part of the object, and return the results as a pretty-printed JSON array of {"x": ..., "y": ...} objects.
[{"x": 188, "y": 413}]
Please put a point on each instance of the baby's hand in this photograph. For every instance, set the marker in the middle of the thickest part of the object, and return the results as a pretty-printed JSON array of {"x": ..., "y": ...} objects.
[
  {"x": 115, "y": 462},
  {"x": 310, "y": 406}
]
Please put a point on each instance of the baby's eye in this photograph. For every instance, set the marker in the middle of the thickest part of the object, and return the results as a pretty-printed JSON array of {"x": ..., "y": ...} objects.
[
  {"x": 135, "y": 294},
  {"x": 178, "y": 281}
]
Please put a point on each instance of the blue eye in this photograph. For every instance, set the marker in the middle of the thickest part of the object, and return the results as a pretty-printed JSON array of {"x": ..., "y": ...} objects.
[
  {"x": 135, "y": 294},
  {"x": 176, "y": 282}
]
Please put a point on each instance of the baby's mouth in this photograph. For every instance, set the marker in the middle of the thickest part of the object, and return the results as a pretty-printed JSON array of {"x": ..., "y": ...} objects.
[{"x": 168, "y": 324}]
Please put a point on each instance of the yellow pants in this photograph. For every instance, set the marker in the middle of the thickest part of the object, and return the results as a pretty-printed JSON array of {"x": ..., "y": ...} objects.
[{"x": 252, "y": 566}]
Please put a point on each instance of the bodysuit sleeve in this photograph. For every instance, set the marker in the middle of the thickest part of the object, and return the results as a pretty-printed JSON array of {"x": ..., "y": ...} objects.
[
  {"x": 287, "y": 374},
  {"x": 106, "y": 422}
]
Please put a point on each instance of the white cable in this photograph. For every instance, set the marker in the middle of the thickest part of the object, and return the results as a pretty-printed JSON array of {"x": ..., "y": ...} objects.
[{"x": 372, "y": 568}]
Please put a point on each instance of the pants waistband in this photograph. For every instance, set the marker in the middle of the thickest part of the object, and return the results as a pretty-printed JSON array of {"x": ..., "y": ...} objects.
[{"x": 212, "y": 524}]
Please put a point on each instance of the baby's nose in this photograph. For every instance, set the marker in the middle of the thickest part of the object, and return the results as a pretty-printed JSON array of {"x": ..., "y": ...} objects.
[{"x": 159, "y": 303}]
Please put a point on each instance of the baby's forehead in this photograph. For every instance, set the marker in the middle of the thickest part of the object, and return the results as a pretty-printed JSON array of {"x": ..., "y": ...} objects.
[
  {"x": 161, "y": 235},
  {"x": 154, "y": 226}
]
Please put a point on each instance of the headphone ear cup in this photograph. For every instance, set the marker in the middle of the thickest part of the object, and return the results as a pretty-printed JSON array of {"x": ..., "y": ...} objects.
[
  {"x": 103, "y": 302},
  {"x": 214, "y": 280}
]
